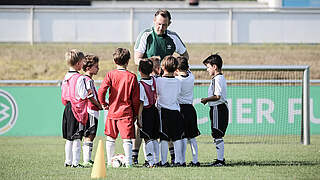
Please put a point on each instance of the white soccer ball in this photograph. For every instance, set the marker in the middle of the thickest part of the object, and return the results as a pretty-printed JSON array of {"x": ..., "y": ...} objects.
[{"x": 118, "y": 160}]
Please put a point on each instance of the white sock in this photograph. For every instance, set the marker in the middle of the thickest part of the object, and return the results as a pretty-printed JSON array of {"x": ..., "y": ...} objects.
[
  {"x": 149, "y": 152},
  {"x": 156, "y": 151},
  {"x": 76, "y": 152},
  {"x": 127, "y": 147},
  {"x": 87, "y": 151},
  {"x": 178, "y": 151},
  {"x": 183, "y": 150},
  {"x": 164, "y": 151},
  {"x": 144, "y": 151},
  {"x": 194, "y": 150},
  {"x": 110, "y": 147},
  {"x": 220, "y": 148},
  {"x": 68, "y": 152}
]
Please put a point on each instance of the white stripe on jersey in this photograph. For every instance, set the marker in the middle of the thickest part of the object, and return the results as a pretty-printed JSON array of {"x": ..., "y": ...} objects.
[{"x": 180, "y": 47}]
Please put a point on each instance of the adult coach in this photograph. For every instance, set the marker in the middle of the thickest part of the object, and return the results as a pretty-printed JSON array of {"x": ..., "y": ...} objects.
[{"x": 158, "y": 41}]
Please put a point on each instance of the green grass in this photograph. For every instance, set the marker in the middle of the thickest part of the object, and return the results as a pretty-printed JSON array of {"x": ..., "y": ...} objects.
[{"x": 43, "y": 158}]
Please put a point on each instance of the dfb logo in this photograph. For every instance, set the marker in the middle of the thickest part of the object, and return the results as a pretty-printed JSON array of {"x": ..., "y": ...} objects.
[{"x": 8, "y": 111}]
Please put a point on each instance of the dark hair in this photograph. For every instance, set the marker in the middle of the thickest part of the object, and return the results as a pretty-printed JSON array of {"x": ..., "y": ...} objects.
[
  {"x": 145, "y": 66},
  {"x": 182, "y": 63},
  {"x": 121, "y": 56},
  {"x": 169, "y": 63},
  {"x": 164, "y": 13},
  {"x": 213, "y": 59},
  {"x": 73, "y": 57},
  {"x": 89, "y": 61}
]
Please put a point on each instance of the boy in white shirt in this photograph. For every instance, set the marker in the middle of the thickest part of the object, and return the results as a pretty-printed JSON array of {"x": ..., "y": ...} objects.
[
  {"x": 217, "y": 100},
  {"x": 171, "y": 125}
]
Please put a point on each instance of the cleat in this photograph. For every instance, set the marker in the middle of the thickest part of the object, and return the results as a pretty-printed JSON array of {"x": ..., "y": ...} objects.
[
  {"x": 87, "y": 164},
  {"x": 192, "y": 164},
  {"x": 78, "y": 166},
  {"x": 157, "y": 165},
  {"x": 218, "y": 163},
  {"x": 90, "y": 161},
  {"x": 183, "y": 165},
  {"x": 165, "y": 165},
  {"x": 146, "y": 164},
  {"x": 67, "y": 165}
]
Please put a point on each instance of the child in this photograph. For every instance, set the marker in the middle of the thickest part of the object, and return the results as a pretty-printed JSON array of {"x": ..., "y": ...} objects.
[
  {"x": 148, "y": 113},
  {"x": 217, "y": 100},
  {"x": 74, "y": 96},
  {"x": 91, "y": 68},
  {"x": 123, "y": 105},
  {"x": 187, "y": 110},
  {"x": 171, "y": 127}
]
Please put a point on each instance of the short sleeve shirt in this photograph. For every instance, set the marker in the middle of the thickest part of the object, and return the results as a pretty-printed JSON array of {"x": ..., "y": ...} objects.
[
  {"x": 218, "y": 87},
  {"x": 151, "y": 44}
]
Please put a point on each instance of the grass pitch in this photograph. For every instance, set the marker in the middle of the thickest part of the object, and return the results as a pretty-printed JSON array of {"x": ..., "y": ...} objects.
[{"x": 43, "y": 158}]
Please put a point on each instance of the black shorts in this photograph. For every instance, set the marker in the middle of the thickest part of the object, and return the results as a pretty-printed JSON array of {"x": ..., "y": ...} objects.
[
  {"x": 91, "y": 126},
  {"x": 150, "y": 123},
  {"x": 71, "y": 128},
  {"x": 219, "y": 116},
  {"x": 189, "y": 116},
  {"x": 171, "y": 125}
]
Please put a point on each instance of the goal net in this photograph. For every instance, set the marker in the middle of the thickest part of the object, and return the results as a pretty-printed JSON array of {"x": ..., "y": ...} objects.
[{"x": 267, "y": 104}]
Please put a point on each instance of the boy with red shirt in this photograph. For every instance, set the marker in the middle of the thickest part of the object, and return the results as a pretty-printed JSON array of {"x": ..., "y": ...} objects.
[{"x": 123, "y": 105}]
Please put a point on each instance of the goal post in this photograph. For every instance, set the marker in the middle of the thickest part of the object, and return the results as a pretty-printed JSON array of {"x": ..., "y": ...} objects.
[{"x": 260, "y": 79}]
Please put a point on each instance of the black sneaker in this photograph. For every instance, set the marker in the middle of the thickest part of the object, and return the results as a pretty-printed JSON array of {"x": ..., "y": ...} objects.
[
  {"x": 135, "y": 160},
  {"x": 90, "y": 161},
  {"x": 157, "y": 165},
  {"x": 67, "y": 165},
  {"x": 146, "y": 164},
  {"x": 218, "y": 163},
  {"x": 78, "y": 166},
  {"x": 192, "y": 164},
  {"x": 165, "y": 165}
]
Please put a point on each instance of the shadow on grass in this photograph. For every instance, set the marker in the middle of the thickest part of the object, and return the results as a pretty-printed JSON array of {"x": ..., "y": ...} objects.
[{"x": 266, "y": 163}]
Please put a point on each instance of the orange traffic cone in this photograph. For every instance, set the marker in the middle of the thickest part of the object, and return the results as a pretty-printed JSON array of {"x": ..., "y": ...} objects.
[{"x": 99, "y": 166}]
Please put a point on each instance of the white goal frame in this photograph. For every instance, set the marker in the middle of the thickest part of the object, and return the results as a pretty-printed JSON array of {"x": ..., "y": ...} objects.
[{"x": 305, "y": 126}]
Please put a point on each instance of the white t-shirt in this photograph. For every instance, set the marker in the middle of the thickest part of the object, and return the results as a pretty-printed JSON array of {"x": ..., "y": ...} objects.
[
  {"x": 143, "y": 95},
  {"x": 90, "y": 85},
  {"x": 168, "y": 90},
  {"x": 186, "y": 94},
  {"x": 218, "y": 87}
]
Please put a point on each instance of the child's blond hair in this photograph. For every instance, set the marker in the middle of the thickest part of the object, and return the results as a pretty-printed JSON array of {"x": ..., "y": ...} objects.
[{"x": 73, "y": 57}]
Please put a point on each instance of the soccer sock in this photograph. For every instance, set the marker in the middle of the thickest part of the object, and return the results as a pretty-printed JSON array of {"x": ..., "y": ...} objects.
[
  {"x": 220, "y": 148},
  {"x": 87, "y": 151},
  {"x": 178, "y": 151},
  {"x": 68, "y": 151},
  {"x": 76, "y": 152},
  {"x": 127, "y": 147},
  {"x": 156, "y": 150},
  {"x": 183, "y": 149},
  {"x": 149, "y": 152},
  {"x": 110, "y": 147},
  {"x": 164, "y": 151},
  {"x": 171, "y": 150},
  {"x": 194, "y": 150}
]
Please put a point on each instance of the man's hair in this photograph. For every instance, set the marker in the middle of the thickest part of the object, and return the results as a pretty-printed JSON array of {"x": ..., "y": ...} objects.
[
  {"x": 145, "y": 66},
  {"x": 73, "y": 57},
  {"x": 183, "y": 64},
  {"x": 89, "y": 61},
  {"x": 214, "y": 59},
  {"x": 169, "y": 63},
  {"x": 164, "y": 13},
  {"x": 121, "y": 56}
]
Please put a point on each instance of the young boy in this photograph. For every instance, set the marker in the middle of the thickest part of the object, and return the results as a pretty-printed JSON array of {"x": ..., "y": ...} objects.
[
  {"x": 149, "y": 121},
  {"x": 187, "y": 110},
  {"x": 74, "y": 96},
  {"x": 123, "y": 105},
  {"x": 217, "y": 100},
  {"x": 171, "y": 127},
  {"x": 91, "y": 68}
]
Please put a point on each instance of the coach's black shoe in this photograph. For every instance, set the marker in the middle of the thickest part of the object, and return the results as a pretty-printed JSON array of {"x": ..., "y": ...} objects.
[
  {"x": 218, "y": 163},
  {"x": 135, "y": 160},
  {"x": 67, "y": 165},
  {"x": 78, "y": 166},
  {"x": 192, "y": 164}
]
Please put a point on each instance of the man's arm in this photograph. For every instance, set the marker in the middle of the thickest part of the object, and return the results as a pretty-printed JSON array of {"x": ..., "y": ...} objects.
[
  {"x": 185, "y": 54},
  {"x": 137, "y": 57}
]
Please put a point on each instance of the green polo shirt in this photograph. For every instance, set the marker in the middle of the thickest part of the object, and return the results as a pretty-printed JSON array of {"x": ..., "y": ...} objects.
[{"x": 151, "y": 44}]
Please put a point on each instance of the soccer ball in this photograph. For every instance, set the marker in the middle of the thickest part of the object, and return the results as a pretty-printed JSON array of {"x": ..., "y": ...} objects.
[{"x": 118, "y": 160}]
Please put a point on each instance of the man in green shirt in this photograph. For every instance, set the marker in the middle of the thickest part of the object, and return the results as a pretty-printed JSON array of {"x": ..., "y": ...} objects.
[{"x": 158, "y": 41}]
